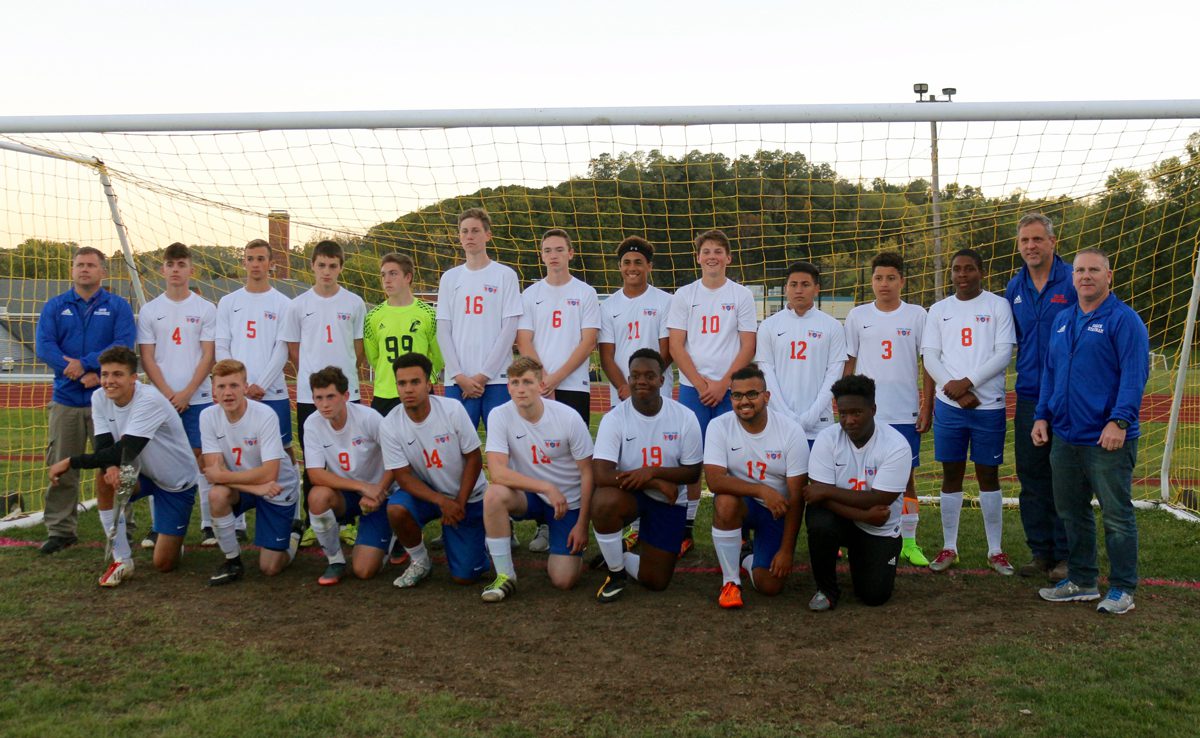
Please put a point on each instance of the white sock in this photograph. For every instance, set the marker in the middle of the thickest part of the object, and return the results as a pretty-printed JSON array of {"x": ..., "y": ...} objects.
[
  {"x": 500, "y": 550},
  {"x": 951, "y": 510},
  {"x": 612, "y": 547},
  {"x": 908, "y": 526},
  {"x": 226, "y": 538},
  {"x": 418, "y": 553},
  {"x": 748, "y": 565},
  {"x": 203, "y": 486},
  {"x": 635, "y": 526},
  {"x": 693, "y": 506},
  {"x": 326, "y": 527},
  {"x": 633, "y": 563},
  {"x": 121, "y": 550},
  {"x": 728, "y": 544},
  {"x": 241, "y": 522},
  {"x": 992, "y": 504}
]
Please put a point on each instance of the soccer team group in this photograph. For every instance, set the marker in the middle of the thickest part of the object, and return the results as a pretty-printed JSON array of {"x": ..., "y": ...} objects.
[{"x": 755, "y": 418}]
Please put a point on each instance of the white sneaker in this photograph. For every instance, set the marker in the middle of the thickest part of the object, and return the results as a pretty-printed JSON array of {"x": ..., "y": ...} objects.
[
  {"x": 541, "y": 540},
  {"x": 412, "y": 576},
  {"x": 117, "y": 572}
]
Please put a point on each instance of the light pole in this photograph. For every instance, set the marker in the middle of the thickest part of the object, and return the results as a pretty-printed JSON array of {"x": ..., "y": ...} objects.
[{"x": 948, "y": 92}]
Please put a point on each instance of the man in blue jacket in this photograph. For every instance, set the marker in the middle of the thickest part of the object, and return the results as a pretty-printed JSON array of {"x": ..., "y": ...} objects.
[
  {"x": 73, "y": 330},
  {"x": 1038, "y": 292},
  {"x": 1091, "y": 395}
]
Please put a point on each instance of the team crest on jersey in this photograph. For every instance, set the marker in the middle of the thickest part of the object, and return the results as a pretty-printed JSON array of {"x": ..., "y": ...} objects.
[
  {"x": 270, "y": 315},
  {"x": 344, "y": 316},
  {"x": 727, "y": 306},
  {"x": 671, "y": 436},
  {"x": 650, "y": 312},
  {"x": 983, "y": 318},
  {"x": 491, "y": 288},
  {"x": 1096, "y": 328},
  {"x": 1057, "y": 300},
  {"x": 573, "y": 302},
  {"x": 444, "y": 438},
  {"x": 870, "y": 470},
  {"x": 412, "y": 328},
  {"x": 815, "y": 334},
  {"x": 904, "y": 331},
  {"x": 358, "y": 440},
  {"x": 192, "y": 318},
  {"x": 553, "y": 443},
  {"x": 250, "y": 441},
  {"x": 773, "y": 455}
]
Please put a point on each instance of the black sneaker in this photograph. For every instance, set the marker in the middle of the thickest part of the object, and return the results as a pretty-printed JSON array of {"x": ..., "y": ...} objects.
[
  {"x": 241, "y": 535},
  {"x": 150, "y": 540},
  {"x": 613, "y": 586},
  {"x": 54, "y": 544},
  {"x": 208, "y": 538},
  {"x": 229, "y": 572}
]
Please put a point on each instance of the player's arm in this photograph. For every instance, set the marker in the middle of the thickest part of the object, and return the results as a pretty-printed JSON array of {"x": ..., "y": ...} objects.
[
  {"x": 781, "y": 564},
  {"x": 861, "y": 500},
  {"x": 677, "y": 343},
  {"x": 664, "y": 349},
  {"x": 502, "y": 474},
  {"x": 525, "y": 344},
  {"x": 995, "y": 364},
  {"x": 721, "y": 482},
  {"x": 501, "y": 355},
  {"x": 833, "y": 371},
  {"x": 360, "y": 357},
  {"x": 217, "y": 473},
  {"x": 325, "y": 478},
  {"x": 581, "y": 353},
  {"x": 745, "y": 355},
  {"x": 203, "y": 369},
  {"x": 665, "y": 479},
  {"x": 224, "y": 330},
  {"x": 925, "y": 414},
  {"x": 616, "y": 377},
  {"x": 577, "y": 540},
  {"x": 851, "y": 363}
]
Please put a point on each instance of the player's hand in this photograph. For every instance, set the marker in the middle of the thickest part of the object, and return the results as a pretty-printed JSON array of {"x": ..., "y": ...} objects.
[
  {"x": 781, "y": 564},
  {"x": 814, "y": 494},
  {"x": 776, "y": 503},
  {"x": 670, "y": 491},
  {"x": 453, "y": 511},
  {"x": 215, "y": 474},
  {"x": 269, "y": 489},
  {"x": 877, "y": 515},
  {"x": 558, "y": 501},
  {"x": 179, "y": 401},
  {"x": 74, "y": 368},
  {"x": 635, "y": 479},
  {"x": 59, "y": 468},
  {"x": 89, "y": 380},
  {"x": 1041, "y": 433},
  {"x": 925, "y": 419},
  {"x": 469, "y": 386},
  {"x": 714, "y": 392},
  {"x": 577, "y": 539},
  {"x": 550, "y": 383},
  {"x": 1112, "y": 438},
  {"x": 968, "y": 401},
  {"x": 955, "y": 388},
  {"x": 254, "y": 392},
  {"x": 112, "y": 476},
  {"x": 481, "y": 383},
  {"x": 624, "y": 392}
]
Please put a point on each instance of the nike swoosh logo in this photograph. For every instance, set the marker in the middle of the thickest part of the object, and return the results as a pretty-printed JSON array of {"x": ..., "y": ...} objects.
[
  {"x": 538, "y": 302},
  {"x": 617, "y": 316},
  {"x": 326, "y": 445},
  {"x": 780, "y": 334},
  {"x": 280, "y": 540},
  {"x": 739, "y": 448},
  {"x": 945, "y": 319},
  {"x": 160, "y": 317},
  {"x": 696, "y": 305},
  {"x": 865, "y": 327},
  {"x": 220, "y": 437},
  {"x": 631, "y": 439},
  {"x": 237, "y": 310},
  {"x": 522, "y": 435},
  {"x": 314, "y": 313},
  {"x": 412, "y": 442},
  {"x": 837, "y": 464}
]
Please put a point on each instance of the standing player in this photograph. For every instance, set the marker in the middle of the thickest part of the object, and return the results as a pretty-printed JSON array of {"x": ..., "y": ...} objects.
[
  {"x": 345, "y": 463},
  {"x": 756, "y": 464},
  {"x": 967, "y": 344},
  {"x": 632, "y": 318},
  {"x": 176, "y": 335},
  {"x": 138, "y": 428},
  {"x": 401, "y": 324},
  {"x": 712, "y": 322},
  {"x": 539, "y": 454},
  {"x": 433, "y": 452},
  {"x": 245, "y": 462},
  {"x": 883, "y": 341},
  {"x": 648, "y": 449}
]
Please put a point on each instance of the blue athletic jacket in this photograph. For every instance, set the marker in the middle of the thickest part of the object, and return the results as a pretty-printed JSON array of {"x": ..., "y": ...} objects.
[
  {"x": 1096, "y": 371},
  {"x": 1033, "y": 316},
  {"x": 82, "y": 329}
]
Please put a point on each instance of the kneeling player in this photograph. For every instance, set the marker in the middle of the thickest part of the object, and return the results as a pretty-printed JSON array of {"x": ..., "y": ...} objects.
[
  {"x": 648, "y": 449},
  {"x": 345, "y": 465},
  {"x": 539, "y": 453},
  {"x": 856, "y": 474},
  {"x": 136, "y": 426},
  {"x": 756, "y": 463},
  {"x": 245, "y": 461},
  {"x": 433, "y": 451}
]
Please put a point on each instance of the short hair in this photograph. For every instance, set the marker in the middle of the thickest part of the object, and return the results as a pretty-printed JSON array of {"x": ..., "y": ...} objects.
[
  {"x": 750, "y": 371},
  {"x": 404, "y": 261},
  {"x": 1097, "y": 252},
  {"x": 330, "y": 375},
  {"x": 411, "y": 359},
  {"x": 479, "y": 214},
  {"x": 551, "y": 233},
  {"x": 637, "y": 245},
  {"x": 805, "y": 267},
  {"x": 891, "y": 259},
  {"x": 227, "y": 367},
  {"x": 651, "y": 354},
  {"x": 120, "y": 355},
  {"x": 175, "y": 252},
  {"x": 714, "y": 234},
  {"x": 855, "y": 385},
  {"x": 971, "y": 254},
  {"x": 329, "y": 249},
  {"x": 256, "y": 243},
  {"x": 1031, "y": 218},
  {"x": 522, "y": 365},
  {"x": 90, "y": 251}
]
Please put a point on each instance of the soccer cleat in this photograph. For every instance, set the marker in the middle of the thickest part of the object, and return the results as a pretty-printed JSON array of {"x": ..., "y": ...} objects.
[
  {"x": 208, "y": 537},
  {"x": 999, "y": 561},
  {"x": 1068, "y": 591},
  {"x": 1116, "y": 602},
  {"x": 944, "y": 560},
  {"x": 1037, "y": 567},
  {"x": 150, "y": 540},
  {"x": 687, "y": 545},
  {"x": 309, "y": 538},
  {"x": 631, "y": 539},
  {"x": 820, "y": 602},
  {"x": 614, "y": 585},
  {"x": 398, "y": 555},
  {"x": 437, "y": 543},
  {"x": 597, "y": 562},
  {"x": 333, "y": 574},
  {"x": 413, "y": 575},
  {"x": 117, "y": 572},
  {"x": 349, "y": 533},
  {"x": 912, "y": 553},
  {"x": 731, "y": 596},
  {"x": 541, "y": 539},
  {"x": 228, "y": 572},
  {"x": 501, "y": 588},
  {"x": 241, "y": 535}
]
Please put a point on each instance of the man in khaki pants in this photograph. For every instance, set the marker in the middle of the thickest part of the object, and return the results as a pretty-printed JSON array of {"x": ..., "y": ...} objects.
[{"x": 74, "y": 328}]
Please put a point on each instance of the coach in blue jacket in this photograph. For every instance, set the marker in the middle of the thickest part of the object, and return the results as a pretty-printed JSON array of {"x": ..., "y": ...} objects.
[
  {"x": 1037, "y": 293},
  {"x": 74, "y": 328},
  {"x": 1091, "y": 395}
]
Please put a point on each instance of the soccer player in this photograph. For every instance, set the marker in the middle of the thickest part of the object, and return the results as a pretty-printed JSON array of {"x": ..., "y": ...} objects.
[
  {"x": 883, "y": 341},
  {"x": 711, "y": 324},
  {"x": 856, "y": 474},
  {"x": 345, "y": 463},
  {"x": 433, "y": 452},
  {"x": 177, "y": 337},
  {"x": 539, "y": 453},
  {"x": 648, "y": 449},
  {"x": 632, "y": 318},
  {"x": 246, "y": 464},
  {"x": 478, "y": 308},
  {"x": 401, "y": 324},
  {"x": 756, "y": 464},
  {"x": 138, "y": 428},
  {"x": 967, "y": 344}
]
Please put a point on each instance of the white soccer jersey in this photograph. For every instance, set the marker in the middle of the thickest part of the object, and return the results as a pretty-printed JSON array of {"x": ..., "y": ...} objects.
[
  {"x": 248, "y": 329},
  {"x": 632, "y": 323},
  {"x": 769, "y": 458},
  {"x": 886, "y": 347},
  {"x": 175, "y": 329},
  {"x": 632, "y": 440},
  {"x": 713, "y": 320},
  {"x": 325, "y": 328},
  {"x": 882, "y": 465},
  {"x": 802, "y": 356},
  {"x": 249, "y": 443},
  {"x": 557, "y": 316},
  {"x": 968, "y": 332},
  {"x": 352, "y": 452},
  {"x": 476, "y": 304},
  {"x": 547, "y": 449},
  {"x": 433, "y": 448},
  {"x": 167, "y": 459}
]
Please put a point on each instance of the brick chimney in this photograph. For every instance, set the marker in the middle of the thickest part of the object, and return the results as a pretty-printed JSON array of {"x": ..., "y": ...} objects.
[{"x": 279, "y": 236}]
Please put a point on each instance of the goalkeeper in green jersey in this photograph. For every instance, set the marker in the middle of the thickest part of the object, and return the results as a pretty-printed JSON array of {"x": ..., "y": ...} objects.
[{"x": 398, "y": 326}]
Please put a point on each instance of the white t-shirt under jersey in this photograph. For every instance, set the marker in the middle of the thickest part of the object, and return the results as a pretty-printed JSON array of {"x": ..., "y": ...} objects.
[
  {"x": 769, "y": 458},
  {"x": 248, "y": 328},
  {"x": 547, "y": 449},
  {"x": 967, "y": 332},
  {"x": 802, "y": 356},
  {"x": 249, "y": 443},
  {"x": 632, "y": 323},
  {"x": 557, "y": 316},
  {"x": 476, "y": 304},
  {"x": 632, "y": 440},
  {"x": 882, "y": 465},
  {"x": 352, "y": 452},
  {"x": 714, "y": 320},
  {"x": 325, "y": 328},
  {"x": 175, "y": 329},
  {"x": 887, "y": 347},
  {"x": 433, "y": 448},
  {"x": 167, "y": 459}
]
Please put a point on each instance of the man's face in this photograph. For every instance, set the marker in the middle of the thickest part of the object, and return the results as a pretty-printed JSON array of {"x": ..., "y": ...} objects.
[
  {"x": 412, "y": 386},
  {"x": 118, "y": 380},
  {"x": 230, "y": 391},
  {"x": 713, "y": 259},
  {"x": 393, "y": 278},
  {"x": 257, "y": 262},
  {"x": 635, "y": 270},
  {"x": 330, "y": 403},
  {"x": 966, "y": 275},
  {"x": 525, "y": 389},
  {"x": 645, "y": 379},
  {"x": 749, "y": 398},
  {"x": 1092, "y": 278},
  {"x": 177, "y": 272},
  {"x": 473, "y": 236},
  {"x": 326, "y": 270},
  {"x": 886, "y": 283},
  {"x": 87, "y": 272},
  {"x": 801, "y": 291},
  {"x": 856, "y": 416},
  {"x": 556, "y": 254},
  {"x": 1035, "y": 246}
]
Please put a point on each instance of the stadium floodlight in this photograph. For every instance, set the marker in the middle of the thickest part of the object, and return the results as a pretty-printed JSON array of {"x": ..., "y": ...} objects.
[
  {"x": 920, "y": 88},
  {"x": 948, "y": 92}
]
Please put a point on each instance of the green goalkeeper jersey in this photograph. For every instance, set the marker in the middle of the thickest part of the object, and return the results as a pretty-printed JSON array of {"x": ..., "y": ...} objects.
[{"x": 390, "y": 331}]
